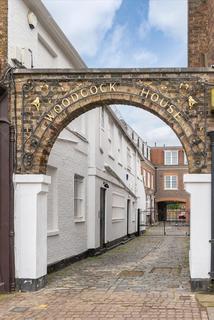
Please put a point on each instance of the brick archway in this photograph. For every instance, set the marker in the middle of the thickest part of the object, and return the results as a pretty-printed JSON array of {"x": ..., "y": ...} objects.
[{"x": 48, "y": 100}]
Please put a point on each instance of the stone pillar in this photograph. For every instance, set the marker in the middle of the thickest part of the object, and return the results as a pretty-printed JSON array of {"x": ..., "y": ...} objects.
[
  {"x": 31, "y": 231},
  {"x": 199, "y": 187}
]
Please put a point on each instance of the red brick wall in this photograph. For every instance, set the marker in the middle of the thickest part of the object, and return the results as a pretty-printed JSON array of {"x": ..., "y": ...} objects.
[
  {"x": 157, "y": 158},
  {"x": 3, "y": 33},
  {"x": 157, "y": 155},
  {"x": 210, "y": 57},
  {"x": 200, "y": 33}
]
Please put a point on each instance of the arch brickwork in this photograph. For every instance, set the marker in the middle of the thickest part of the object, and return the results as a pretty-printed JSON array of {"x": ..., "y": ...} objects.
[{"x": 47, "y": 100}]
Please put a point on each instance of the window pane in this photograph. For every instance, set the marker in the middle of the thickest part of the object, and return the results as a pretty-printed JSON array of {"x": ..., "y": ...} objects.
[{"x": 78, "y": 196}]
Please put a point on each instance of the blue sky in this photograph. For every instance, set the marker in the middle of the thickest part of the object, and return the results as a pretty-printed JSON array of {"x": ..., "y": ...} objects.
[{"x": 128, "y": 33}]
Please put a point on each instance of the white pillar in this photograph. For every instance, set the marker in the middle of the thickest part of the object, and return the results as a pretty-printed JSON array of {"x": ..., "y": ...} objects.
[
  {"x": 31, "y": 230},
  {"x": 199, "y": 187}
]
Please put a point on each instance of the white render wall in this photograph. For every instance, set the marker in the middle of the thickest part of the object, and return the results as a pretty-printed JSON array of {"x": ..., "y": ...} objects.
[
  {"x": 30, "y": 222},
  {"x": 69, "y": 236},
  {"x": 70, "y": 155},
  {"x": 199, "y": 187},
  {"x": 101, "y": 159},
  {"x": 21, "y": 36}
]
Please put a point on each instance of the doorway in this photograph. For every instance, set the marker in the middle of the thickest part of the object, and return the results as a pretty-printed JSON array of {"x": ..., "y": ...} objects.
[
  {"x": 128, "y": 215},
  {"x": 102, "y": 215}
]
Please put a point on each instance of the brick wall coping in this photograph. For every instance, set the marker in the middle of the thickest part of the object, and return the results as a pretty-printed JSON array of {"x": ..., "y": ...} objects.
[{"x": 114, "y": 70}]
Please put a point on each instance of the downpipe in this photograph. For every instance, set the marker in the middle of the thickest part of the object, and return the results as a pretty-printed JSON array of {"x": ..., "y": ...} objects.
[
  {"x": 6, "y": 196},
  {"x": 211, "y": 273}
]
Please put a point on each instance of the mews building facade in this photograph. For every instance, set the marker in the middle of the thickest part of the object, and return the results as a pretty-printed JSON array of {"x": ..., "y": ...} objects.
[
  {"x": 148, "y": 171},
  {"x": 97, "y": 186}
]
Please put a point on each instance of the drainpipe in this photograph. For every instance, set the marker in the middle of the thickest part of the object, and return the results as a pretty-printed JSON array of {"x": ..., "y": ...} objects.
[
  {"x": 211, "y": 135},
  {"x": 6, "y": 197}
]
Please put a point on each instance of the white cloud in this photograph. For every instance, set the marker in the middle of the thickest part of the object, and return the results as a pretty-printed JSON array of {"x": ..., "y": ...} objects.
[
  {"x": 148, "y": 126},
  {"x": 169, "y": 16},
  {"x": 118, "y": 51},
  {"x": 85, "y": 22}
]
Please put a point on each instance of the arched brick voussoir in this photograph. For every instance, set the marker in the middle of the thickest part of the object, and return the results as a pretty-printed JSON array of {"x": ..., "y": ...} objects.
[
  {"x": 50, "y": 101},
  {"x": 74, "y": 110}
]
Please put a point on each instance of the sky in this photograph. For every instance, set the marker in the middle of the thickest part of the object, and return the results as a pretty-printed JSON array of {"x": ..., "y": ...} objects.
[{"x": 128, "y": 33}]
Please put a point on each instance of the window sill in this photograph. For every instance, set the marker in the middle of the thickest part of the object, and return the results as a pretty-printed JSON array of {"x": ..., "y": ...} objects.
[
  {"x": 168, "y": 189},
  {"x": 120, "y": 163},
  {"x": 53, "y": 233},
  {"x": 117, "y": 220},
  {"x": 79, "y": 220}
]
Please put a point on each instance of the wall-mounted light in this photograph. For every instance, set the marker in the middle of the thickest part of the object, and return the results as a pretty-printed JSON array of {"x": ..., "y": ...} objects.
[
  {"x": 106, "y": 185},
  {"x": 32, "y": 20}
]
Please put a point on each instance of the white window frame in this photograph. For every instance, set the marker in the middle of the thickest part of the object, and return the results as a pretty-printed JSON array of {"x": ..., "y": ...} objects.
[
  {"x": 170, "y": 161},
  {"x": 170, "y": 179},
  {"x": 110, "y": 137},
  {"x": 79, "y": 198},
  {"x": 185, "y": 159},
  {"x": 120, "y": 141},
  {"x": 129, "y": 159},
  {"x": 102, "y": 118},
  {"x": 144, "y": 177},
  {"x": 152, "y": 181},
  {"x": 148, "y": 179},
  {"x": 118, "y": 206}
]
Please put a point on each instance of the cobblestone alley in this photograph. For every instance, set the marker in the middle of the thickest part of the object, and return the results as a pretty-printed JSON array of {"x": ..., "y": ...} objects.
[{"x": 146, "y": 278}]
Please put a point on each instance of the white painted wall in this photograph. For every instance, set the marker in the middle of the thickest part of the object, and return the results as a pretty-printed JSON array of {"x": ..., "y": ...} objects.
[
  {"x": 30, "y": 225},
  {"x": 69, "y": 236},
  {"x": 94, "y": 157},
  {"x": 199, "y": 187},
  {"x": 66, "y": 236},
  {"x": 21, "y": 38},
  {"x": 108, "y": 163}
]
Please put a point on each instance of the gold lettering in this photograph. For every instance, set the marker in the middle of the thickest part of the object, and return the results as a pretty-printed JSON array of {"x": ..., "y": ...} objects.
[
  {"x": 154, "y": 97},
  {"x": 170, "y": 109},
  {"x": 50, "y": 116},
  {"x": 92, "y": 90},
  {"x": 163, "y": 105},
  {"x": 111, "y": 87},
  {"x": 101, "y": 87},
  {"x": 74, "y": 97},
  {"x": 143, "y": 92},
  {"x": 177, "y": 116},
  {"x": 82, "y": 93},
  {"x": 65, "y": 102},
  {"x": 58, "y": 108}
]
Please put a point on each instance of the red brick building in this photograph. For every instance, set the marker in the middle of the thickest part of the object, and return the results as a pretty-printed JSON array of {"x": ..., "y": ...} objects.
[
  {"x": 200, "y": 33},
  {"x": 172, "y": 201}
]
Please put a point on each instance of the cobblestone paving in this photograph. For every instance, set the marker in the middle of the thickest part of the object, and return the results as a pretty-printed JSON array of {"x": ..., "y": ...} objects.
[{"x": 147, "y": 278}]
